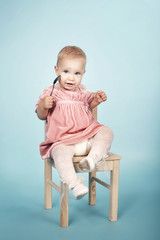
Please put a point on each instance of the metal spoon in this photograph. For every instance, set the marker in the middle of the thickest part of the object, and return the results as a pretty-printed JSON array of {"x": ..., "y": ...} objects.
[{"x": 54, "y": 82}]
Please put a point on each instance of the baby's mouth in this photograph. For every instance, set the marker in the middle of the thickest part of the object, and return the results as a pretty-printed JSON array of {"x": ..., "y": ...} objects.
[{"x": 70, "y": 84}]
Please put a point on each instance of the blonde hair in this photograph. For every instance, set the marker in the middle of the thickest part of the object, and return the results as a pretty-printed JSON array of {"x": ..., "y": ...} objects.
[{"x": 71, "y": 51}]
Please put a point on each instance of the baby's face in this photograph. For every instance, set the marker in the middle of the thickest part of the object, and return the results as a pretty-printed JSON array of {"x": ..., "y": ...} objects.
[{"x": 71, "y": 71}]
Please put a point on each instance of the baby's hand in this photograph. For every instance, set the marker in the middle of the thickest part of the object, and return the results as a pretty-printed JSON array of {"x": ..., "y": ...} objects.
[
  {"x": 47, "y": 102},
  {"x": 100, "y": 96}
]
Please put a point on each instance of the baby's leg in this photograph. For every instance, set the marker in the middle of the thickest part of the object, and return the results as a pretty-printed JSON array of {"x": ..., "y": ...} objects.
[
  {"x": 62, "y": 156},
  {"x": 101, "y": 143}
]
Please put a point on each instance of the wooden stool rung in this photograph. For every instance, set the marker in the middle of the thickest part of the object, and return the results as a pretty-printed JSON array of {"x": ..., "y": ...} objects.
[
  {"x": 101, "y": 182},
  {"x": 54, "y": 185}
]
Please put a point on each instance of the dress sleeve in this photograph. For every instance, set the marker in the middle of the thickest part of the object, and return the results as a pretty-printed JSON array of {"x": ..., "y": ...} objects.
[
  {"x": 46, "y": 92},
  {"x": 90, "y": 97},
  {"x": 88, "y": 94}
]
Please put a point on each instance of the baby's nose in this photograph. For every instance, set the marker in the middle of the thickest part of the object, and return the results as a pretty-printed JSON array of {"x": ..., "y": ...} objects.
[{"x": 71, "y": 77}]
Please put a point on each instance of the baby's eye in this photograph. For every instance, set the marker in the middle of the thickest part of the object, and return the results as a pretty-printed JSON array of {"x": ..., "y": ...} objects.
[
  {"x": 65, "y": 71},
  {"x": 77, "y": 73}
]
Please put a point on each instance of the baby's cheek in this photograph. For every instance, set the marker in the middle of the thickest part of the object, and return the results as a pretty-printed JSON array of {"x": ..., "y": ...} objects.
[
  {"x": 78, "y": 79},
  {"x": 63, "y": 77}
]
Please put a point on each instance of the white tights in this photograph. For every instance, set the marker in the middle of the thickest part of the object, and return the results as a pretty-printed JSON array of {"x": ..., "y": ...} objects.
[{"x": 96, "y": 148}]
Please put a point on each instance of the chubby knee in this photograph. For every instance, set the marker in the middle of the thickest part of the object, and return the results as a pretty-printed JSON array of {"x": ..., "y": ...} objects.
[{"x": 108, "y": 132}]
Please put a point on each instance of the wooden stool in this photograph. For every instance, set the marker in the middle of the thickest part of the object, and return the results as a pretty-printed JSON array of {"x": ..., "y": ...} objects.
[{"x": 111, "y": 163}]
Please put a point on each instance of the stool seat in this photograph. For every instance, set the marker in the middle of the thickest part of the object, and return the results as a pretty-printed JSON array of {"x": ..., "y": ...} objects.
[
  {"x": 104, "y": 165},
  {"x": 110, "y": 156}
]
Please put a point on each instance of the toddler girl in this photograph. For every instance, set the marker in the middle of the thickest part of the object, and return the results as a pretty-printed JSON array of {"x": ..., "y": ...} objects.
[{"x": 70, "y": 127}]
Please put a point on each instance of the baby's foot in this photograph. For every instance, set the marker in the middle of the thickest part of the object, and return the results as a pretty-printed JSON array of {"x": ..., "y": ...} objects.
[
  {"x": 79, "y": 191},
  {"x": 87, "y": 164}
]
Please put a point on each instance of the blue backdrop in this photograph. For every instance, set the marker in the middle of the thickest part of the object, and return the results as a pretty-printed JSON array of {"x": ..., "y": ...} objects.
[{"x": 121, "y": 40}]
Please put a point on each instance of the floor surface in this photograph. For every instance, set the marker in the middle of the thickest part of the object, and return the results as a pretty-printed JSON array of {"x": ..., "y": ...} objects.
[{"x": 23, "y": 215}]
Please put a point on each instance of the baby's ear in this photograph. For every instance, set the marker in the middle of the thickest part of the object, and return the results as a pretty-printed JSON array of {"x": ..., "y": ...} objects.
[{"x": 56, "y": 70}]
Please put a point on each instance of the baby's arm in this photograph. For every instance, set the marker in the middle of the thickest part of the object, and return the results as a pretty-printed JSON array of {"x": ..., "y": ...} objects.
[
  {"x": 99, "y": 97},
  {"x": 44, "y": 105}
]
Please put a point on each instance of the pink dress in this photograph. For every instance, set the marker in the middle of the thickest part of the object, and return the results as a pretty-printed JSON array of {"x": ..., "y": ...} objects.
[{"x": 69, "y": 120}]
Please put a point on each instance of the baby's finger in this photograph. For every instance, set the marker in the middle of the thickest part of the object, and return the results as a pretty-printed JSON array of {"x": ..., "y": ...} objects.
[
  {"x": 98, "y": 94},
  {"x": 101, "y": 93},
  {"x": 51, "y": 99},
  {"x": 104, "y": 99}
]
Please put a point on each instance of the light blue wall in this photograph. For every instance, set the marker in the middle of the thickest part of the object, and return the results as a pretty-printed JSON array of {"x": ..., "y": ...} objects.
[{"x": 121, "y": 40}]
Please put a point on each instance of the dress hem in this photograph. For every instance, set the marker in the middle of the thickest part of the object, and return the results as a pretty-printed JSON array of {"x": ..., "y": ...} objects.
[{"x": 48, "y": 154}]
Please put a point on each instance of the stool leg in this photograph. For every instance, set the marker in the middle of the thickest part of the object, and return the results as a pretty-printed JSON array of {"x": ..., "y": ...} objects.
[
  {"x": 92, "y": 189},
  {"x": 113, "y": 209},
  {"x": 48, "y": 187},
  {"x": 64, "y": 194}
]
